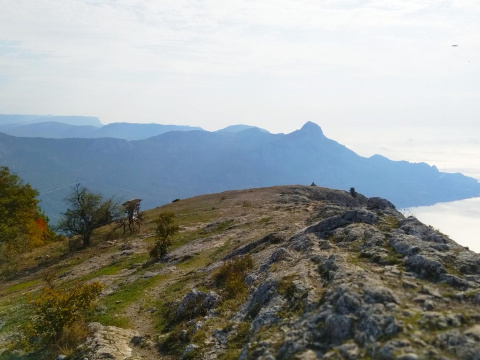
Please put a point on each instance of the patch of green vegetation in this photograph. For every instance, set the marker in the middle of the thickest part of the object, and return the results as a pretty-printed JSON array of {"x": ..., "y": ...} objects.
[
  {"x": 229, "y": 306},
  {"x": 219, "y": 227},
  {"x": 471, "y": 293},
  {"x": 413, "y": 319},
  {"x": 21, "y": 286},
  {"x": 117, "y": 265},
  {"x": 264, "y": 220},
  {"x": 189, "y": 215},
  {"x": 230, "y": 276},
  {"x": 196, "y": 261},
  {"x": 15, "y": 312},
  {"x": 166, "y": 315},
  {"x": 199, "y": 337},
  {"x": 449, "y": 264},
  {"x": 186, "y": 237},
  {"x": 389, "y": 257},
  {"x": 388, "y": 223},
  {"x": 270, "y": 333},
  {"x": 286, "y": 287},
  {"x": 126, "y": 294},
  {"x": 7, "y": 355},
  {"x": 175, "y": 341},
  {"x": 113, "y": 320},
  {"x": 295, "y": 305},
  {"x": 236, "y": 341},
  {"x": 220, "y": 251}
]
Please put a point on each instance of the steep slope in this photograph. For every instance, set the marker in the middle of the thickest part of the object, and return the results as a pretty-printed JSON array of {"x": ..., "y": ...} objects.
[
  {"x": 182, "y": 164},
  {"x": 325, "y": 275}
]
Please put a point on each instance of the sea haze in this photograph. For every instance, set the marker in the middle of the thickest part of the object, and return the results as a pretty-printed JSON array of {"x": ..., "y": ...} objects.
[
  {"x": 460, "y": 220},
  {"x": 451, "y": 149}
]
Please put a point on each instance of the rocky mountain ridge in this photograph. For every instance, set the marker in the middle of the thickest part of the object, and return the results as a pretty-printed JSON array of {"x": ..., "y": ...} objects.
[{"x": 329, "y": 276}]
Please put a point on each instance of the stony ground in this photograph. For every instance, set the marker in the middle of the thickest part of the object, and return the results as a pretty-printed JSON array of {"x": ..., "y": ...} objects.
[{"x": 328, "y": 276}]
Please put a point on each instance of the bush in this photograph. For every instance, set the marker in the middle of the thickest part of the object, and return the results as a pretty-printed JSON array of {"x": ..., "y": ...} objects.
[
  {"x": 231, "y": 276},
  {"x": 59, "y": 314},
  {"x": 23, "y": 225},
  {"x": 166, "y": 229},
  {"x": 353, "y": 193}
]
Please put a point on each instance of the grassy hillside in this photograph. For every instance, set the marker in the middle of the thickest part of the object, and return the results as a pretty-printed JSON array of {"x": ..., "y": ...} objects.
[
  {"x": 211, "y": 227},
  {"x": 307, "y": 263}
]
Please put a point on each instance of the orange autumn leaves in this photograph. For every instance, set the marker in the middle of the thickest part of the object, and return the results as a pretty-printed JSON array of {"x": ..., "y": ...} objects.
[
  {"x": 38, "y": 233},
  {"x": 23, "y": 225}
]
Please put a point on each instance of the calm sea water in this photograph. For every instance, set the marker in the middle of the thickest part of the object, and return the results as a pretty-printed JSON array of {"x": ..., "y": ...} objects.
[
  {"x": 460, "y": 220},
  {"x": 450, "y": 148}
]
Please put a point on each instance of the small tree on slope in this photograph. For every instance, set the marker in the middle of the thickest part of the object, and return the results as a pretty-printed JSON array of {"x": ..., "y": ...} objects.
[
  {"x": 86, "y": 212},
  {"x": 165, "y": 230}
]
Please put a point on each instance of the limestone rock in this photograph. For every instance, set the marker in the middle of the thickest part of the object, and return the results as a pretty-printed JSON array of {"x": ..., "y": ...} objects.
[
  {"x": 108, "y": 342},
  {"x": 196, "y": 303}
]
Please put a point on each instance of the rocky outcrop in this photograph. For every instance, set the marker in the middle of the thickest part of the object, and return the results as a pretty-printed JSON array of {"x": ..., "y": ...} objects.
[
  {"x": 360, "y": 282},
  {"x": 196, "y": 303},
  {"x": 355, "y": 280},
  {"x": 107, "y": 342}
]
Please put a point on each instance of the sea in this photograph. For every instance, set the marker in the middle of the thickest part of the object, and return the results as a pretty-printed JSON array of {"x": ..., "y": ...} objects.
[
  {"x": 453, "y": 149},
  {"x": 460, "y": 220}
]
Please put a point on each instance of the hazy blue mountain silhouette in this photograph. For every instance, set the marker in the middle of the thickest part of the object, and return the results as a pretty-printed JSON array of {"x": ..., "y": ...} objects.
[
  {"x": 9, "y": 121},
  {"x": 239, "y": 127},
  {"x": 186, "y": 163},
  {"x": 60, "y": 130}
]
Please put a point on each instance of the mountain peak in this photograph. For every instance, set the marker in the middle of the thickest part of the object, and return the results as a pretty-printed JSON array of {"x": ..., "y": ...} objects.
[
  {"x": 239, "y": 128},
  {"x": 311, "y": 127}
]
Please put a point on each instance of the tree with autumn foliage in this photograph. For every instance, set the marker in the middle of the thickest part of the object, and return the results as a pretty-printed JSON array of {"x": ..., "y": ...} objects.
[{"x": 23, "y": 225}]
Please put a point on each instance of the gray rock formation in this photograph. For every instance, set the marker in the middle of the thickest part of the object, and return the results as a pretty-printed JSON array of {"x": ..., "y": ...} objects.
[
  {"x": 107, "y": 342},
  {"x": 196, "y": 303},
  {"x": 361, "y": 281}
]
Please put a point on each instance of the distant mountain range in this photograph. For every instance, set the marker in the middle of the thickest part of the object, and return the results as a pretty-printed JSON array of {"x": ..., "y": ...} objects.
[
  {"x": 12, "y": 121},
  {"x": 59, "y": 127},
  {"x": 179, "y": 164}
]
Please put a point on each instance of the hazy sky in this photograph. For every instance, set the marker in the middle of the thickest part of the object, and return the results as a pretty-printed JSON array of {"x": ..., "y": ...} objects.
[{"x": 271, "y": 63}]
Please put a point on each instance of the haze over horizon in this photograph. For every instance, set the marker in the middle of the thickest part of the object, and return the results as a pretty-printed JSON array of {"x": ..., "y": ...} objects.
[
  {"x": 379, "y": 76},
  {"x": 267, "y": 63}
]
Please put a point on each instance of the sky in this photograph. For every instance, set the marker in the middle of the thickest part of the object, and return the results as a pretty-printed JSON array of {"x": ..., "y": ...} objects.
[
  {"x": 380, "y": 76},
  {"x": 347, "y": 65}
]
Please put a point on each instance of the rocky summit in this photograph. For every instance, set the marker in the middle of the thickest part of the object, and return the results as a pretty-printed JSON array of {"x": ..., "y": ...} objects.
[{"x": 288, "y": 272}]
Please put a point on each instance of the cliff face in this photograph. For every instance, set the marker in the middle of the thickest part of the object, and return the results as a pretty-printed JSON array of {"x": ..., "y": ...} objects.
[{"x": 284, "y": 273}]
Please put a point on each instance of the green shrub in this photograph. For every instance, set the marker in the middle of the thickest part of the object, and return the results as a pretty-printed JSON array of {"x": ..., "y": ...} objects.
[
  {"x": 166, "y": 229},
  {"x": 388, "y": 223},
  {"x": 59, "y": 314},
  {"x": 231, "y": 276}
]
